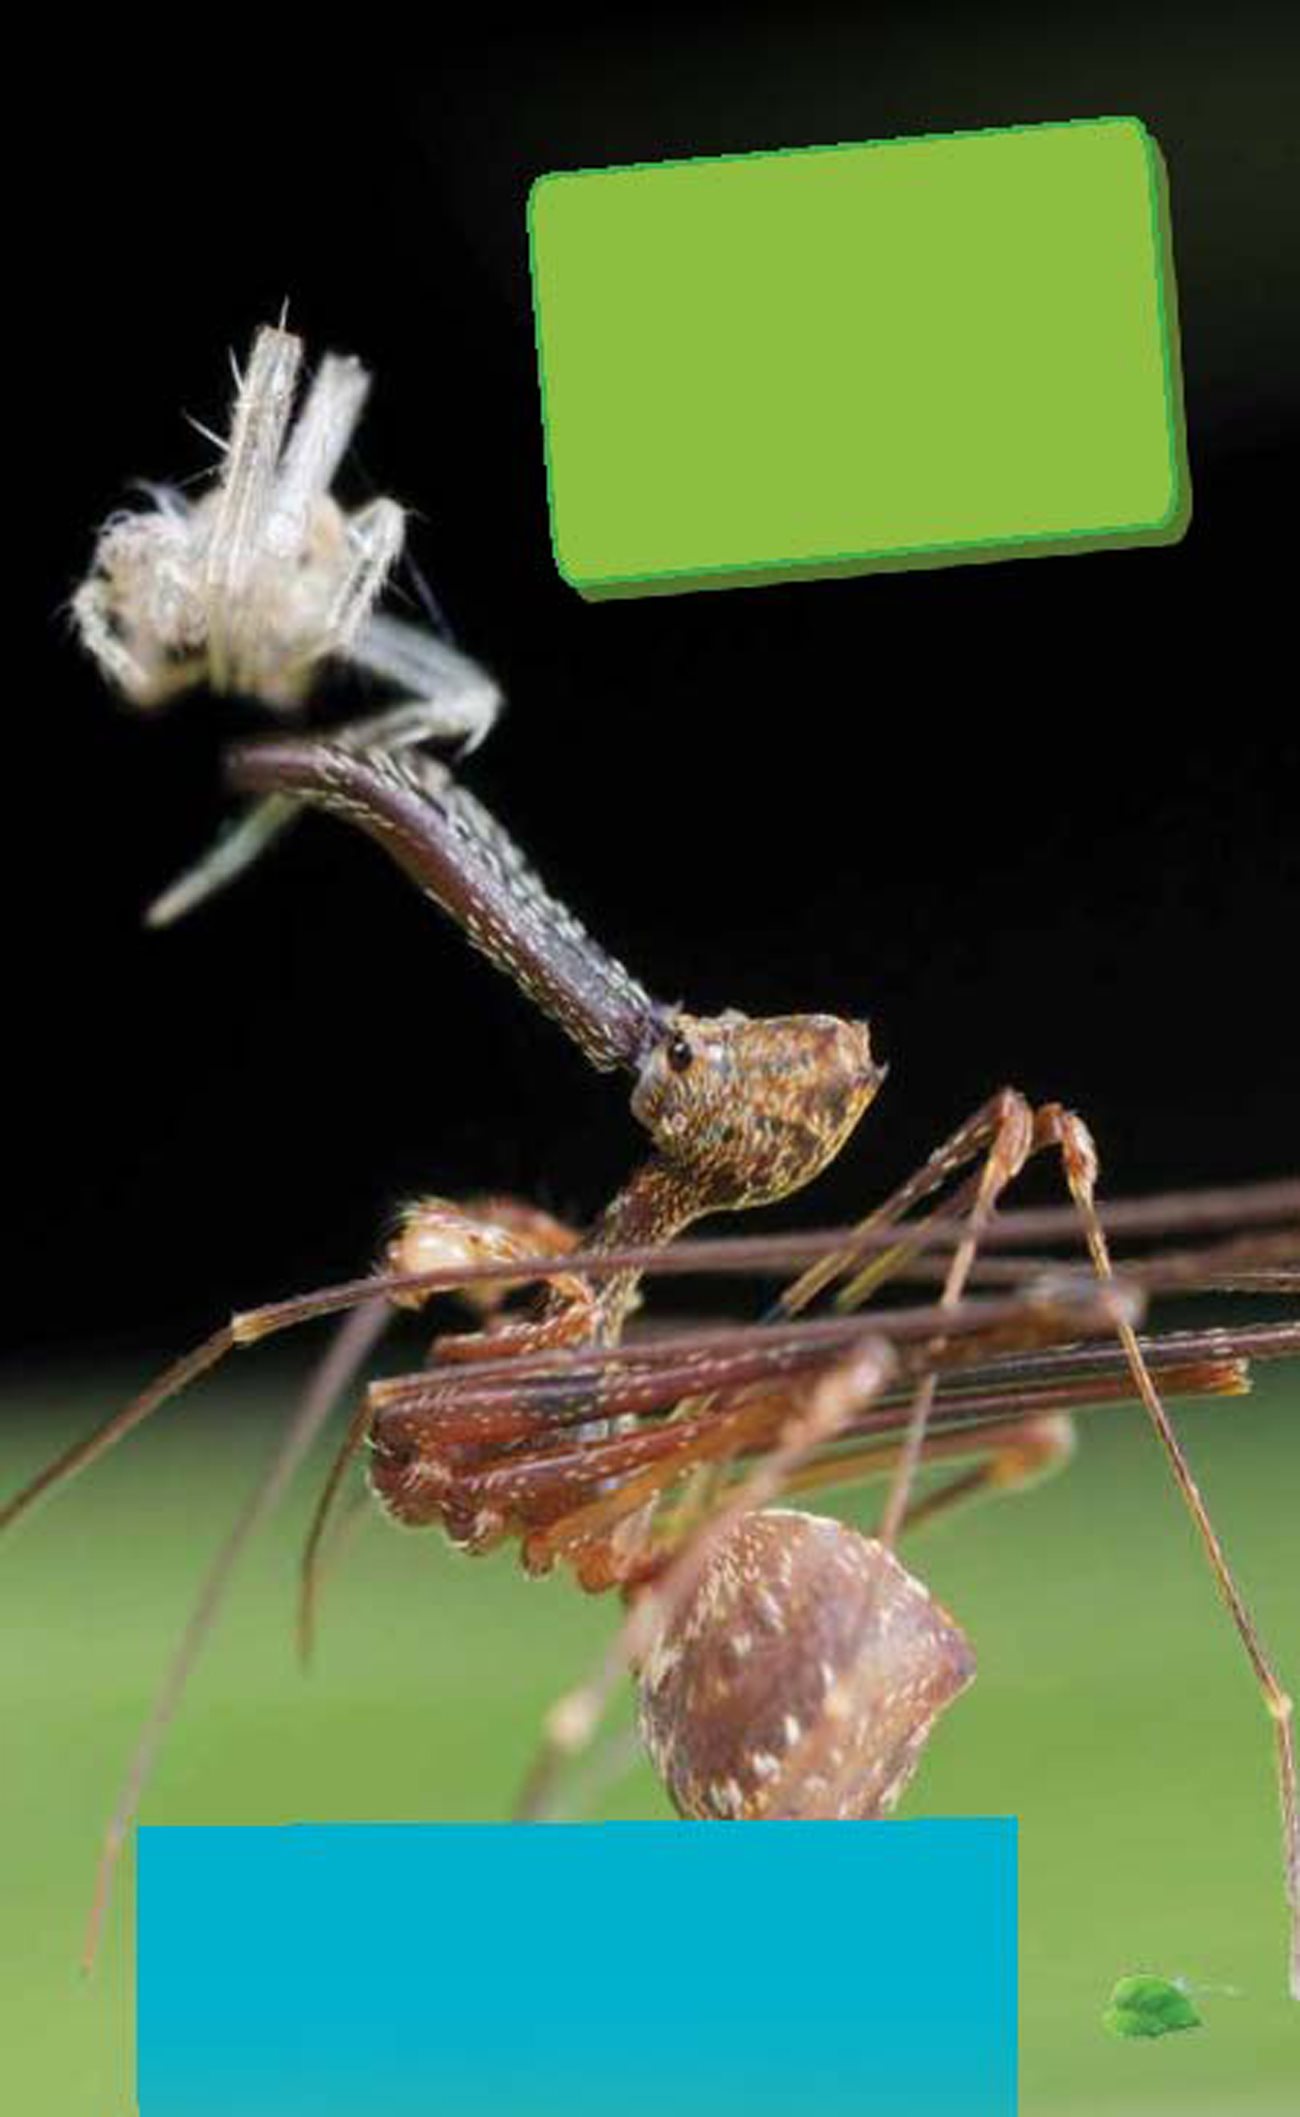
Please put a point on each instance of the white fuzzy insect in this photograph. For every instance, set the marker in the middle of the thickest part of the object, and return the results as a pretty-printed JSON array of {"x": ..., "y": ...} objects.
[{"x": 254, "y": 584}]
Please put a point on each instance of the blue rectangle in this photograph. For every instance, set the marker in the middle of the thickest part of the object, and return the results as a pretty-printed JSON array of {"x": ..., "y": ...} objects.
[{"x": 647, "y": 1969}]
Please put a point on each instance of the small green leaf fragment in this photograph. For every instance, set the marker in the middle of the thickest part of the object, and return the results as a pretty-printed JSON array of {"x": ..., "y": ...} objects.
[{"x": 1149, "y": 2006}]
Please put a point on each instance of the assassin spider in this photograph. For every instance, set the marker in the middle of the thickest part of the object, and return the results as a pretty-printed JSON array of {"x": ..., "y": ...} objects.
[{"x": 786, "y": 1664}]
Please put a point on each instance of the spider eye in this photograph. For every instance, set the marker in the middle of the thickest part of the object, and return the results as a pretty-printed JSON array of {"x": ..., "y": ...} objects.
[{"x": 680, "y": 1054}]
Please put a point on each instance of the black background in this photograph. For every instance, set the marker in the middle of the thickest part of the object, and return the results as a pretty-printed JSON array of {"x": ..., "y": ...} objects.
[{"x": 1037, "y": 819}]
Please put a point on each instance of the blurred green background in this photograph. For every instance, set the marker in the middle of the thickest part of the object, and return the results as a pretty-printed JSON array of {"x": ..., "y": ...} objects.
[{"x": 1113, "y": 1715}]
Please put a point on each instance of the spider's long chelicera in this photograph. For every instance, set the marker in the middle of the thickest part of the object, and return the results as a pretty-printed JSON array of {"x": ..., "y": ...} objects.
[
  {"x": 256, "y": 584},
  {"x": 786, "y": 1664}
]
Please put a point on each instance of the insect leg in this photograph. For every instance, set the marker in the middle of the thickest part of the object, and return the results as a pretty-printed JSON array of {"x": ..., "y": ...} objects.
[
  {"x": 237, "y": 845},
  {"x": 245, "y": 497},
  {"x": 447, "y": 694},
  {"x": 375, "y": 536},
  {"x": 462, "y": 708},
  {"x": 313, "y": 451}
]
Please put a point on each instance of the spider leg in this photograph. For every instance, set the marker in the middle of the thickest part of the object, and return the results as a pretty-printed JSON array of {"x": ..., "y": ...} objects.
[
  {"x": 1007, "y": 1125},
  {"x": 1053, "y": 1128},
  {"x": 1003, "y": 1118},
  {"x": 1017, "y": 1436},
  {"x": 1003, "y": 1133},
  {"x": 1013, "y": 1452},
  {"x": 1064, "y": 1130},
  {"x": 247, "y": 1328},
  {"x": 790, "y": 1428},
  {"x": 352, "y": 1346},
  {"x": 1017, "y": 1452},
  {"x": 813, "y": 1416}
]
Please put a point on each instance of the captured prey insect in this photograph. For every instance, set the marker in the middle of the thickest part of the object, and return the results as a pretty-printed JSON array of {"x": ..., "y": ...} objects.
[
  {"x": 264, "y": 578},
  {"x": 786, "y": 1665}
]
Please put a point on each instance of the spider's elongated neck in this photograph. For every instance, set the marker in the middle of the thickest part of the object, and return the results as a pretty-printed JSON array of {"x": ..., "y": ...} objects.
[
  {"x": 742, "y": 1113},
  {"x": 657, "y": 1202}
]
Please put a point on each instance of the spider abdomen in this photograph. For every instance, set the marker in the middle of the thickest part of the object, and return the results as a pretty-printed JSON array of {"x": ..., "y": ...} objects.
[{"x": 801, "y": 1678}]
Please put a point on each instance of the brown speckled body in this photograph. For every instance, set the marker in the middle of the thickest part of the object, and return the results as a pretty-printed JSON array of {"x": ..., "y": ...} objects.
[{"x": 802, "y": 1677}]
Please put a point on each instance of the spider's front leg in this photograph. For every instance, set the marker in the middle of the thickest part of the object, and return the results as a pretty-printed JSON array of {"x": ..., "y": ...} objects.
[{"x": 1003, "y": 1136}]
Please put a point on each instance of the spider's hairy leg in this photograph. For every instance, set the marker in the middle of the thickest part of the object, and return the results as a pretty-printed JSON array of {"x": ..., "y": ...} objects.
[
  {"x": 352, "y": 1346},
  {"x": 1067, "y": 1132},
  {"x": 1054, "y": 1129},
  {"x": 458, "y": 854},
  {"x": 526, "y": 1440},
  {"x": 249, "y": 1327},
  {"x": 1018, "y": 1453},
  {"x": 370, "y": 1306},
  {"x": 1013, "y": 1416},
  {"x": 858, "y": 1697},
  {"x": 1007, "y": 1124},
  {"x": 1001, "y": 1119}
]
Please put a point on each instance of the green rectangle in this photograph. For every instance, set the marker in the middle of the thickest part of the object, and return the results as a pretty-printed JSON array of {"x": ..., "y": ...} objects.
[{"x": 912, "y": 352}]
